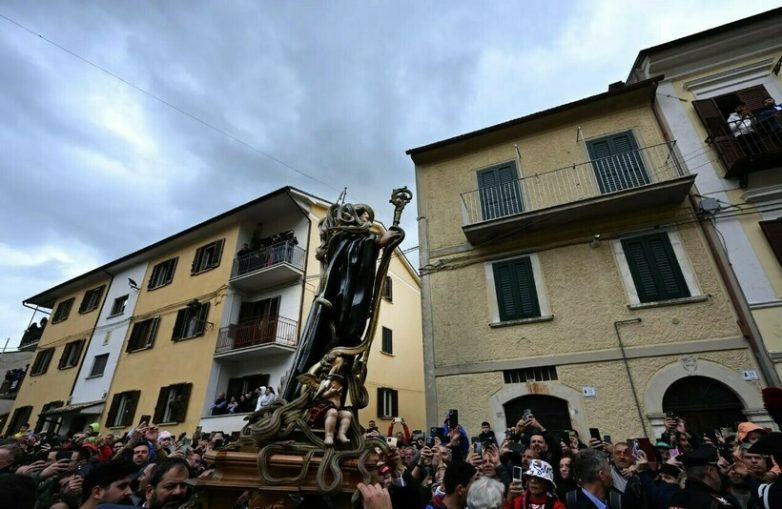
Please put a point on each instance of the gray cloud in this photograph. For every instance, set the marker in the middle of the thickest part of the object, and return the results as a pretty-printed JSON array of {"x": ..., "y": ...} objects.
[{"x": 92, "y": 169}]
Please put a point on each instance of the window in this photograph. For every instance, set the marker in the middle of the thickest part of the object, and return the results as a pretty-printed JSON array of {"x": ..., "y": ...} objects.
[
  {"x": 190, "y": 322},
  {"x": 99, "y": 365},
  {"x": 41, "y": 363},
  {"x": 207, "y": 257},
  {"x": 524, "y": 375},
  {"x": 387, "y": 403},
  {"x": 71, "y": 355},
  {"x": 738, "y": 154},
  {"x": 118, "y": 307},
  {"x": 514, "y": 283},
  {"x": 654, "y": 268},
  {"x": 143, "y": 335},
  {"x": 63, "y": 310},
  {"x": 773, "y": 231},
  {"x": 245, "y": 384},
  {"x": 20, "y": 417},
  {"x": 91, "y": 299},
  {"x": 388, "y": 289},
  {"x": 122, "y": 409},
  {"x": 162, "y": 274},
  {"x": 617, "y": 162},
  {"x": 48, "y": 424},
  {"x": 388, "y": 341},
  {"x": 172, "y": 403},
  {"x": 499, "y": 192}
]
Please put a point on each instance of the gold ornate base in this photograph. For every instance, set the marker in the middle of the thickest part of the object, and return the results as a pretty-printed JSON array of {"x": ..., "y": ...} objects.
[{"x": 237, "y": 472}]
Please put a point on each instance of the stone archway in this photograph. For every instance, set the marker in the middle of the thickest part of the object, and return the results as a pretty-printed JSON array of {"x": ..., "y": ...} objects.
[
  {"x": 747, "y": 392},
  {"x": 510, "y": 392}
]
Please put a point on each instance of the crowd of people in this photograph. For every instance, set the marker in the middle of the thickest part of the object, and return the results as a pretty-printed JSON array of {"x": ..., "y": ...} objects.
[
  {"x": 252, "y": 401},
  {"x": 530, "y": 467},
  {"x": 146, "y": 468},
  {"x": 536, "y": 468}
]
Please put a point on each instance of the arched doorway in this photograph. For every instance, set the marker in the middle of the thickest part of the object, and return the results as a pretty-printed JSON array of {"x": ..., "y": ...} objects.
[
  {"x": 704, "y": 403},
  {"x": 551, "y": 412}
]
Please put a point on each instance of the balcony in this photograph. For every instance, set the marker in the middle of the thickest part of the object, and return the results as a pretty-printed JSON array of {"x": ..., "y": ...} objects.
[
  {"x": 616, "y": 184},
  {"x": 267, "y": 267},
  {"x": 272, "y": 337},
  {"x": 758, "y": 149}
]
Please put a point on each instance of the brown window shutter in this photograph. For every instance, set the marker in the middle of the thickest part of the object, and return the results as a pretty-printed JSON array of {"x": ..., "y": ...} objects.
[
  {"x": 185, "y": 391},
  {"x": 130, "y": 413},
  {"x": 160, "y": 407},
  {"x": 111, "y": 419},
  {"x": 753, "y": 96},
  {"x": 773, "y": 231}
]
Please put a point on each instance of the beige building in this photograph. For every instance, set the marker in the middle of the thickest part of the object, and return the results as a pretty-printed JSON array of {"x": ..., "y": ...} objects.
[
  {"x": 217, "y": 308},
  {"x": 564, "y": 270},
  {"x": 739, "y": 179}
]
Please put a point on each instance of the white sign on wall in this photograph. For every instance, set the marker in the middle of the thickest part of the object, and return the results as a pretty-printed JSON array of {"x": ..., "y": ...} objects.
[{"x": 589, "y": 392}]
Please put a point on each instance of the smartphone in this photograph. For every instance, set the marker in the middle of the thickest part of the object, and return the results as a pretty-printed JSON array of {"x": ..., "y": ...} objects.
[
  {"x": 145, "y": 419},
  {"x": 527, "y": 414},
  {"x": 646, "y": 446},
  {"x": 434, "y": 431},
  {"x": 185, "y": 442},
  {"x": 594, "y": 433},
  {"x": 391, "y": 441},
  {"x": 453, "y": 418},
  {"x": 670, "y": 414},
  {"x": 607, "y": 439},
  {"x": 63, "y": 455},
  {"x": 476, "y": 445},
  {"x": 517, "y": 473},
  {"x": 673, "y": 452},
  {"x": 632, "y": 444}
]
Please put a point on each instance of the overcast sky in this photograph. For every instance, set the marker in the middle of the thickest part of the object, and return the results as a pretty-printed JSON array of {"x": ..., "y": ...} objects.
[{"x": 92, "y": 168}]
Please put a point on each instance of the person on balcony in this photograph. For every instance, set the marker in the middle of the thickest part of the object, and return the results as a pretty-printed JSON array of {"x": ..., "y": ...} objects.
[
  {"x": 741, "y": 125},
  {"x": 770, "y": 117},
  {"x": 220, "y": 406}
]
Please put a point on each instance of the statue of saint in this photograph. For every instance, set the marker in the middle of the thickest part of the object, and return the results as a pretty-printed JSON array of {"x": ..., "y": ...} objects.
[{"x": 348, "y": 254}]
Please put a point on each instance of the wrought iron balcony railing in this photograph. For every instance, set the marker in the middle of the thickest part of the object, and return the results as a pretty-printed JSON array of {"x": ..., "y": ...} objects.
[
  {"x": 269, "y": 256},
  {"x": 278, "y": 331},
  {"x": 591, "y": 179}
]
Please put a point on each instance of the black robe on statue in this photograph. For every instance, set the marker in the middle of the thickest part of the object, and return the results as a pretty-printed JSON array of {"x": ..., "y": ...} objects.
[{"x": 348, "y": 285}]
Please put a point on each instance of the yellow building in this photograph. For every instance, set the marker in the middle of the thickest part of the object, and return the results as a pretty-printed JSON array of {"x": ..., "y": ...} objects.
[
  {"x": 52, "y": 374},
  {"x": 739, "y": 180},
  {"x": 564, "y": 271},
  {"x": 214, "y": 309}
]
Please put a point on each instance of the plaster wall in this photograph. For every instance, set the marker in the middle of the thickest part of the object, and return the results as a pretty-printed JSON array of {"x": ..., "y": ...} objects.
[
  {"x": 185, "y": 361},
  {"x": 481, "y": 396},
  {"x": 440, "y": 184},
  {"x": 56, "y": 384},
  {"x": 108, "y": 337},
  {"x": 461, "y": 317}
]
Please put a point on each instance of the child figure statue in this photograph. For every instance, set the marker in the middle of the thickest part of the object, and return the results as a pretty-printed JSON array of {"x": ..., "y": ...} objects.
[{"x": 327, "y": 410}]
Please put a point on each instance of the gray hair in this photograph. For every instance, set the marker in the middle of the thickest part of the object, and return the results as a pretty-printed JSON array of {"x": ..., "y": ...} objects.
[
  {"x": 588, "y": 463},
  {"x": 486, "y": 493}
]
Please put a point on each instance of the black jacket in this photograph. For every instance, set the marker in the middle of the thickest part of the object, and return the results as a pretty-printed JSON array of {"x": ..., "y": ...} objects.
[
  {"x": 697, "y": 495},
  {"x": 577, "y": 500}
]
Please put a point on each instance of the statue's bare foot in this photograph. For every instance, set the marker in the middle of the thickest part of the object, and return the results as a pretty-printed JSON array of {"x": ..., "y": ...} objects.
[
  {"x": 342, "y": 438},
  {"x": 329, "y": 439}
]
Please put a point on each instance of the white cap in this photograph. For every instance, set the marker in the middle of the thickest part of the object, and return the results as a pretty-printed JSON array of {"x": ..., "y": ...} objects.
[{"x": 541, "y": 470}]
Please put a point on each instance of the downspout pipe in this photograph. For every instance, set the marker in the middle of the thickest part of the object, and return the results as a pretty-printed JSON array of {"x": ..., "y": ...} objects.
[
  {"x": 627, "y": 369},
  {"x": 745, "y": 321}
]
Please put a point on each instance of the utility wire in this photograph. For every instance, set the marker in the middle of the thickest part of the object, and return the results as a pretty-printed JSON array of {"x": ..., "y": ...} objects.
[{"x": 169, "y": 104}]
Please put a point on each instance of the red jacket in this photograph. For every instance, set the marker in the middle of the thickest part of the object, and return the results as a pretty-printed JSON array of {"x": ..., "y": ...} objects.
[
  {"x": 406, "y": 429},
  {"x": 520, "y": 502}
]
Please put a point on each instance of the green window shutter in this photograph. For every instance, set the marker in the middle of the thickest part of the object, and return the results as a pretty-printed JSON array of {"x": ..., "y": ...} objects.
[
  {"x": 203, "y": 314},
  {"x": 517, "y": 295},
  {"x": 654, "y": 268},
  {"x": 498, "y": 188},
  {"x": 394, "y": 403},
  {"x": 617, "y": 163}
]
